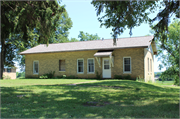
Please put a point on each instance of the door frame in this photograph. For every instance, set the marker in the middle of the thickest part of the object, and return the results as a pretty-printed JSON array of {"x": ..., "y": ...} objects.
[{"x": 103, "y": 68}]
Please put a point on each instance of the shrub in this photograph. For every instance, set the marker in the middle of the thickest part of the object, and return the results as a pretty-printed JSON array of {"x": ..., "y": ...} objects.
[
  {"x": 176, "y": 80},
  {"x": 128, "y": 77},
  {"x": 98, "y": 76},
  {"x": 48, "y": 75},
  {"x": 6, "y": 77},
  {"x": 139, "y": 79},
  {"x": 118, "y": 76},
  {"x": 43, "y": 77}
]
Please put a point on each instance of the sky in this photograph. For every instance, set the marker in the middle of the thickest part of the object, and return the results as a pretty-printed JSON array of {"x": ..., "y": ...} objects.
[{"x": 84, "y": 18}]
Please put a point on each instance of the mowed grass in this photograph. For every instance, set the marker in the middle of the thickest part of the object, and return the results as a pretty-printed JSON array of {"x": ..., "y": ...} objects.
[
  {"x": 164, "y": 83},
  {"x": 51, "y": 98}
]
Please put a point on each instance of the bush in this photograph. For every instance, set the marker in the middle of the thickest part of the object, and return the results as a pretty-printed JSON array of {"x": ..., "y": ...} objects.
[
  {"x": 176, "y": 81},
  {"x": 118, "y": 77},
  {"x": 6, "y": 77},
  {"x": 98, "y": 76},
  {"x": 48, "y": 75},
  {"x": 43, "y": 77},
  {"x": 128, "y": 77},
  {"x": 139, "y": 79}
]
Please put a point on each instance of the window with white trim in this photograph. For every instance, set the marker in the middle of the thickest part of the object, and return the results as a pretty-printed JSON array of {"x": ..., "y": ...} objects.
[
  {"x": 36, "y": 67},
  {"x": 90, "y": 67},
  {"x": 61, "y": 65},
  {"x": 127, "y": 64},
  {"x": 80, "y": 66}
]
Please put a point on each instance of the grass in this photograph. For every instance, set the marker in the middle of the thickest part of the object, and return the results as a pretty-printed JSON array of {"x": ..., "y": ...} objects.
[
  {"x": 164, "y": 83},
  {"x": 50, "y": 98}
]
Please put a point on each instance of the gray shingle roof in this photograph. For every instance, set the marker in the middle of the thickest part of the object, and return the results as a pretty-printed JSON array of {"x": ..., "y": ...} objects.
[{"x": 132, "y": 42}]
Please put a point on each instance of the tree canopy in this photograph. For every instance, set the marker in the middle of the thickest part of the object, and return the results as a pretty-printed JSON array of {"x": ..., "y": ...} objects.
[
  {"x": 168, "y": 51},
  {"x": 127, "y": 14},
  {"x": 87, "y": 37},
  {"x": 25, "y": 24}
]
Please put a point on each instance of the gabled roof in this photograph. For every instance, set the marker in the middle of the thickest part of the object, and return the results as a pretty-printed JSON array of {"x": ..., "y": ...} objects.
[{"x": 106, "y": 44}]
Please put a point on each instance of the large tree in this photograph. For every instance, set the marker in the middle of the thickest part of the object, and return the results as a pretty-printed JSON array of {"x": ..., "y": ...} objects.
[
  {"x": 127, "y": 14},
  {"x": 168, "y": 52},
  {"x": 26, "y": 23}
]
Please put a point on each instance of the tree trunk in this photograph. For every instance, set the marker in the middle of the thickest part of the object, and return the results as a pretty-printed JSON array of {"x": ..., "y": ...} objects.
[{"x": 2, "y": 58}]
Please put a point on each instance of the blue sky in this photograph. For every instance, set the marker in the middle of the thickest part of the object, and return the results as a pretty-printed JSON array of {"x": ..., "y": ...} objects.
[{"x": 83, "y": 16}]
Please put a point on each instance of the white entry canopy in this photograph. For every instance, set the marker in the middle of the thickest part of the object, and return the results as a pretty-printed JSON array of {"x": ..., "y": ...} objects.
[{"x": 103, "y": 54}]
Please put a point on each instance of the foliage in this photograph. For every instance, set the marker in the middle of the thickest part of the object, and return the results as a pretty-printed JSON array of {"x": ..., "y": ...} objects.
[
  {"x": 64, "y": 76},
  {"x": 139, "y": 79},
  {"x": 48, "y": 75},
  {"x": 73, "y": 40},
  {"x": 87, "y": 37},
  {"x": 61, "y": 31},
  {"x": 6, "y": 77},
  {"x": 43, "y": 77},
  {"x": 25, "y": 24},
  {"x": 157, "y": 73},
  {"x": 128, "y": 14},
  {"x": 20, "y": 74},
  {"x": 170, "y": 53},
  {"x": 118, "y": 76},
  {"x": 176, "y": 81},
  {"x": 127, "y": 77},
  {"x": 98, "y": 75}
]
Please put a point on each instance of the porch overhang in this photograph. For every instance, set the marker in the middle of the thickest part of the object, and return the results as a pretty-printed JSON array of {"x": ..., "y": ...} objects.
[{"x": 100, "y": 54}]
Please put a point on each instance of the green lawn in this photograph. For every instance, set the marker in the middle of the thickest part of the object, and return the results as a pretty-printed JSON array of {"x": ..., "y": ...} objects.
[
  {"x": 51, "y": 98},
  {"x": 164, "y": 83}
]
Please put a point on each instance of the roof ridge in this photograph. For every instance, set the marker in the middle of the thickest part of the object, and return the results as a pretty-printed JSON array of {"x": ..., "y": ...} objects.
[{"x": 96, "y": 40}]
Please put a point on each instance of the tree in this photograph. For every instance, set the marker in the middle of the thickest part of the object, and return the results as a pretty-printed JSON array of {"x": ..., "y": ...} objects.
[
  {"x": 73, "y": 40},
  {"x": 127, "y": 14},
  {"x": 61, "y": 31},
  {"x": 86, "y": 36},
  {"x": 60, "y": 35},
  {"x": 168, "y": 51},
  {"x": 23, "y": 24}
]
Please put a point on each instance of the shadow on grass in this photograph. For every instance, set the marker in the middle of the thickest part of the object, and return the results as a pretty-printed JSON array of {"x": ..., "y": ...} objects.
[{"x": 65, "y": 101}]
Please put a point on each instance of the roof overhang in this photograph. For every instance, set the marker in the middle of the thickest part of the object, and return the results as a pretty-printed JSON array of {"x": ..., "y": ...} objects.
[
  {"x": 23, "y": 53},
  {"x": 103, "y": 53},
  {"x": 153, "y": 44}
]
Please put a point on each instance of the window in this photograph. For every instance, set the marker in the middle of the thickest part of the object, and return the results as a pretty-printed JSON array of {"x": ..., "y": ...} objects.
[
  {"x": 127, "y": 64},
  {"x": 61, "y": 65},
  {"x": 8, "y": 70},
  {"x": 90, "y": 67},
  {"x": 80, "y": 66},
  {"x": 36, "y": 67},
  {"x": 106, "y": 64}
]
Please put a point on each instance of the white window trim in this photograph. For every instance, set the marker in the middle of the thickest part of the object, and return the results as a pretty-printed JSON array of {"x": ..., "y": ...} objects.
[
  {"x": 88, "y": 66},
  {"x": 33, "y": 67},
  {"x": 127, "y": 72},
  {"x": 83, "y": 66}
]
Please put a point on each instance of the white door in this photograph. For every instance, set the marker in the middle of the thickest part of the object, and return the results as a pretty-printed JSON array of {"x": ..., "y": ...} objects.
[{"x": 106, "y": 68}]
